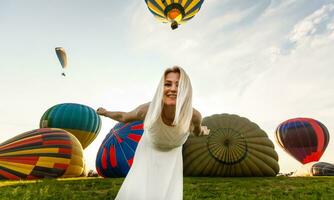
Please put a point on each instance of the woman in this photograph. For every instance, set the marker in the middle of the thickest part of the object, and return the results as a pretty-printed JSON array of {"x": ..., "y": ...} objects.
[{"x": 157, "y": 169}]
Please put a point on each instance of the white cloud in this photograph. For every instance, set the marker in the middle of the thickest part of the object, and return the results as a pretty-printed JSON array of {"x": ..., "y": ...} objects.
[{"x": 312, "y": 24}]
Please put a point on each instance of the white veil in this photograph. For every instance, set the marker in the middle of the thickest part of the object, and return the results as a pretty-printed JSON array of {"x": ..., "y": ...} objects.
[{"x": 184, "y": 110}]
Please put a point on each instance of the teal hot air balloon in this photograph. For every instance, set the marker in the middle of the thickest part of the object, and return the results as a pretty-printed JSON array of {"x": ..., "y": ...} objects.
[
  {"x": 234, "y": 147},
  {"x": 80, "y": 120},
  {"x": 62, "y": 57}
]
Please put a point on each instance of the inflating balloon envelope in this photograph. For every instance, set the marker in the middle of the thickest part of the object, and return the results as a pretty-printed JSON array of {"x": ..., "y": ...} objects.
[
  {"x": 80, "y": 120},
  {"x": 234, "y": 147},
  {"x": 41, "y": 153},
  {"x": 315, "y": 169},
  {"x": 116, "y": 153}
]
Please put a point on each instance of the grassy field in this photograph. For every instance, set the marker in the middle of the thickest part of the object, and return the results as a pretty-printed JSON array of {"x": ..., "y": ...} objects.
[{"x": 194, "y": 188}]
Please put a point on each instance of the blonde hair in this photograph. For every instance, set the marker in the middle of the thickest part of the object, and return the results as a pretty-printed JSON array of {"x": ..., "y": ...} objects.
[{"x": 183, "y": 111}]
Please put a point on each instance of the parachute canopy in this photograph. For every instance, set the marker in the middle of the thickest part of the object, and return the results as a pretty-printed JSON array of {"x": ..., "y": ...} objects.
[
  {"x": 41, "y": 153},
  {"x": 116, "y": 152},
  {"x": 80, "y": 120},
  {"x": 174, "y": 12},
  {"x": 304, "y": 138},
  {"x": 234, "y": 147},
  {"x": 315, "y": 169},
  {"x": 61, "y": 54}
]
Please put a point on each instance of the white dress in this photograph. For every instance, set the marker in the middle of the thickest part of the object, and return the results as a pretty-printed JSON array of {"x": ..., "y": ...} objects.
[{"x": 157, "y": 169}]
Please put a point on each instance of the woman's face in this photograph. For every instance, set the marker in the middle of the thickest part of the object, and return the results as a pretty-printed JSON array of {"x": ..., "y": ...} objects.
[{"x": 170, "y": 88}]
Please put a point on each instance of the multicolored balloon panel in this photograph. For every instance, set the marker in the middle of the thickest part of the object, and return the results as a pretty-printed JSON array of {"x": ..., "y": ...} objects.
[
  {"x": 116, "y": 153},
  {"x": 41, "y": 153},
  {"x": 234, "y": 147},
  {"x": 304, "y": 138},
  {"x": 80, "y": 120},
  {"x": 175, "y": 12}
]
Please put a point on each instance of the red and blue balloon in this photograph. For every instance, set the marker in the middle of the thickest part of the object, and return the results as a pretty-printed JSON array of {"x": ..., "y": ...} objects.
[
  {"x": 116, "y": 153},
  {"x": 304, "y": 138}
]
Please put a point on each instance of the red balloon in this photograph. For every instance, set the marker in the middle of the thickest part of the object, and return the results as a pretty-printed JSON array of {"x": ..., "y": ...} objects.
[{"x": 304, "y": 138}]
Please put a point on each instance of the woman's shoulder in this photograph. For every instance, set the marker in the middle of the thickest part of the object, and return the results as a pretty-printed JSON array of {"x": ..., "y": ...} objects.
[
  {"x": 196, "y": 116},
  {"x": 142, "y": 110},
  {"x": 144, "y": 106}
]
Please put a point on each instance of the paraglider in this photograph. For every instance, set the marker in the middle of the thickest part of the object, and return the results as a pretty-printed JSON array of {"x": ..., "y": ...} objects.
[
  {"x": 61, "y": 54},
  {"x": 303, "y": 138},
  {"x": 315, "y": 169},
  {"x": 234, "y": 147},
  {"x": 41, "y": 153},
  {"x": 116, "y": 153},
  {"x": 174, "y": 12},
  {"x": 80, "y": 120}
]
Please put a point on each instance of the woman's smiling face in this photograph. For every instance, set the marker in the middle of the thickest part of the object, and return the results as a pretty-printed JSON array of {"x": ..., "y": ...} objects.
[{"x": 170, "y": 88}]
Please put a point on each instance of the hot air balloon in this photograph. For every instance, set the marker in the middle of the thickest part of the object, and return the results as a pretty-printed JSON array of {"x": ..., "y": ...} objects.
[
  {"x": 315, "y": 169},
  {"x": 116, "y": 153},
  {"x": 61, "y": 54},
  {"x": 234, "y": 147},
  {"x": 174, "y": 12},
  {"x": 41, "y": 153},
  {"x": 304, "y": 138},
  {"x": 80, "y": 120}
]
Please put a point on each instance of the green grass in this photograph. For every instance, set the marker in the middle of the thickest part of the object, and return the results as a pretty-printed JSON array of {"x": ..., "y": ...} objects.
[{"x": 194, "y": 188}]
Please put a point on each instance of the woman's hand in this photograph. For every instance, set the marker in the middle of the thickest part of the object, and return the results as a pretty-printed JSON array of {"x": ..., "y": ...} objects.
[
  {"x": 101, "y": 111},
  {"x": 205, "y": 130}
]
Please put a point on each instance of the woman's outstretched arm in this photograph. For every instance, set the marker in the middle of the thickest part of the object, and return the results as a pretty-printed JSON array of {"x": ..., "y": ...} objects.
[
  {"x": 137, "y": 114},
  {"x": 196, "y": 123}
]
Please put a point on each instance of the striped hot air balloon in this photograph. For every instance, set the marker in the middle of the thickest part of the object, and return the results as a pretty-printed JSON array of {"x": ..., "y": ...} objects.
[
  {"x": 174, "y": 11},
  {"x": 41, "y": 153},
  {"x": 116, "y": 153},
  {"x": 80, "y": 120},
  {"x": 234, "y": 147},
  {"x": 304, "y": 138}
]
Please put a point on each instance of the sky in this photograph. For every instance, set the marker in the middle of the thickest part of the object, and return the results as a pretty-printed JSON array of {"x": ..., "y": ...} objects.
[{"x": 266, "y": 60}]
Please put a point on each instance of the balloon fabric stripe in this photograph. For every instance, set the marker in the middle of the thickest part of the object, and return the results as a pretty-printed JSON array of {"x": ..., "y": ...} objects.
[
  {"x": 30, "y": 160},
  {"x": 5, "y": 174},
  {"x": 193, "y": 5},
  {"x": 134, "y": 137},
  {"x": 155, "y": 10}
]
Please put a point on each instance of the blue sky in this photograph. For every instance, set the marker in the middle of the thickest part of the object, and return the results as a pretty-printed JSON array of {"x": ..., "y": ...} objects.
[{"x": 265, "y": 60}]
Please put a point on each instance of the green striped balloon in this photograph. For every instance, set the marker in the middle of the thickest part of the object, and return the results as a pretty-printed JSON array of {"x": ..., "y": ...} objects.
[
  {"x": 234, "y": 147},
  {"x": 80, "y": 120}
]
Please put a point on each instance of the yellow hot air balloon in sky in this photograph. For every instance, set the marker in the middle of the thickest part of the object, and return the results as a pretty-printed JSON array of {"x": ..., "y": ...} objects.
[
  {"x": 61, "y": 54},
  {"x": 174, "y": 12}
]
